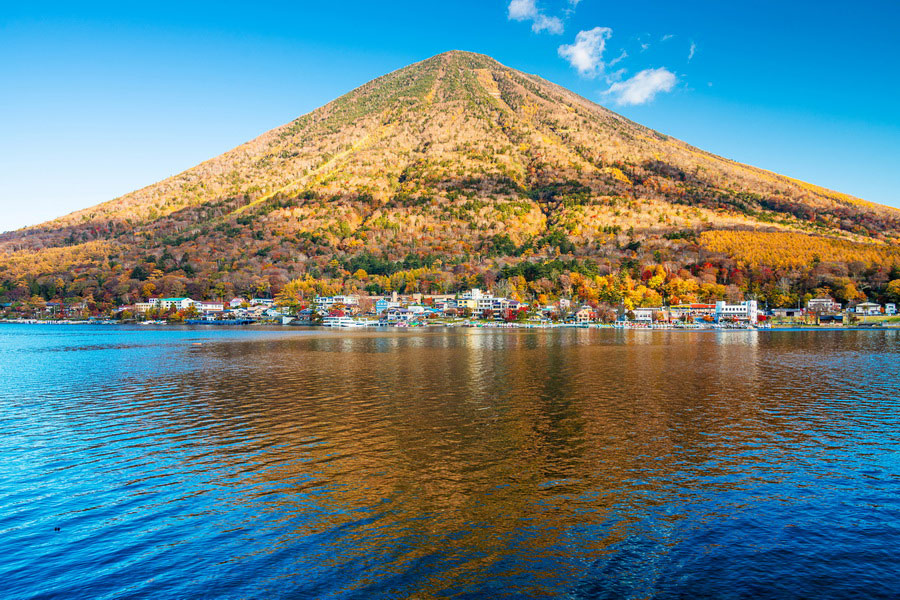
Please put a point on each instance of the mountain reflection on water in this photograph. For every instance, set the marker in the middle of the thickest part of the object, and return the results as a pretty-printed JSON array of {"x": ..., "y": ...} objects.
[{"x": 448, "y": 463}]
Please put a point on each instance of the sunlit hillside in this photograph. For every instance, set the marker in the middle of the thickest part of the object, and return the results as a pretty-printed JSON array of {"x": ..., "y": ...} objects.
[{"x": 451, "y": 172}]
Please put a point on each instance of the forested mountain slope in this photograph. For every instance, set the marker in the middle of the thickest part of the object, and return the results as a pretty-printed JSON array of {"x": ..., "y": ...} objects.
[{"x": 458, "y": 171}]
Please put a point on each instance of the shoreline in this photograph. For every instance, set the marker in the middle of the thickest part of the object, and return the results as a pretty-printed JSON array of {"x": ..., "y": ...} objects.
[{"x": 463, "y": 325}]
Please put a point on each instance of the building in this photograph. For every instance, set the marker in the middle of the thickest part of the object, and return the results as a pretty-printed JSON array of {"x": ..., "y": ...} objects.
[
  {"x": 475, "y": 300},
  {"x": 208, "y": 307},
  {"x": 585, "y": 314},
  {"x": 395, "y": 316},
  {"x": 383, "y": 304},
  {"x": 164, "y": 304},
  {"x": 823, "y": 305},
  {"x": 787, "y": 313},
  {"x": 694, "y": 311},
  {"x": 745, "y": 311},
  {"x": 867, "y": 309},
  {"x": 237, "y": 302},
  {"x": 890, "y": 308},
  {"x": 143, "y": 307},
  {"x": 645, "y": 315},
  {"x": 326, "y": 303},
  {"x": 261, "y": 302}
]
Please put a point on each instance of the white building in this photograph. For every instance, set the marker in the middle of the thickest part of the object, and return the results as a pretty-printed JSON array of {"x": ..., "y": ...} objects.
[
  {"x": 164, "y": 304},
  {"x": 236, "y": 302},
  {"x": 868, "y": 309},
  {"x": 475, "y": 300},
  {"x": 890, "y": 308},
  {"x": 745, "y": 311},
  {"x": 645, "y": 315},
  {"x": 326, "y": 303},
  {"x": 206, "y": 307},
  {"x": 826, "y": 305},
  {"x": 398, "y": 315}
]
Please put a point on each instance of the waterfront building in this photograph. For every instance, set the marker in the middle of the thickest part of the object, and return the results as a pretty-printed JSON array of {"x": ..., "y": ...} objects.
[
  {"x": 695, "y": 311},
  {"x": 474, "y": 300},
  {"x": 382, "y": 304},
  {"x": 789, "y": 312},
  {"x": 890, "y": 308},
  {"x": 585, "y": 314},
  {"x": 326, "y": 303},
  {"x": 867, "y": 309},
  {"x": 745, "y": 311},
  {"x": 825, "y": 304},
  {"x": 209, "y": 307},
  {"x": 645, "y": 315},
  {"x": 176, "y": 303},
  {"x": 395, "y": 316}
]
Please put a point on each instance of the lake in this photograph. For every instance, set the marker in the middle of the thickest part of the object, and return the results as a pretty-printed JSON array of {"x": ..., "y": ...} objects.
[{"x": 448, "y": 463}]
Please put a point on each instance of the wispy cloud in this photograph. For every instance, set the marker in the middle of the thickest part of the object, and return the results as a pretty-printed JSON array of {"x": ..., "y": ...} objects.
[
  {"x": 643, "y": 87},
  {"x": 586, "y": 53},
  {"x": 667, "y": 37},
  {"x": 527, "y": 10},
  {"x": 619, "y": 58},
  {"x": 692, "y": 51}
]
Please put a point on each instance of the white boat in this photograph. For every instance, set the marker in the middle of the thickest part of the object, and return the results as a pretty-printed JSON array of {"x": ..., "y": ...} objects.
[{"x": 341, "y": 322}]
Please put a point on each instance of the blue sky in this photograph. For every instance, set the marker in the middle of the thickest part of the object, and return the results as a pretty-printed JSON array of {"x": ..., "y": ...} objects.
[{"x": 101, "y": 99}]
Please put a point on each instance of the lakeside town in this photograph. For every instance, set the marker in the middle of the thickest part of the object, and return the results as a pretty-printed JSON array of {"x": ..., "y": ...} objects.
[{"x": 473, "y": 307}]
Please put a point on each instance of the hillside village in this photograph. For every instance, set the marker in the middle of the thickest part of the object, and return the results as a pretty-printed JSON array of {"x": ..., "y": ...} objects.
[{"x": 471, "y": 307}]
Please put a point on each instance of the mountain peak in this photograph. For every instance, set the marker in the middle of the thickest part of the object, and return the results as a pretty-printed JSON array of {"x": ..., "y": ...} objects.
[{"x": 443, "y": 158}]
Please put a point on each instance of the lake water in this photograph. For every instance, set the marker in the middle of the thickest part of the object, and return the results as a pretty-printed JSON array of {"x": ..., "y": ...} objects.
[{"x": 283, "y": 463}]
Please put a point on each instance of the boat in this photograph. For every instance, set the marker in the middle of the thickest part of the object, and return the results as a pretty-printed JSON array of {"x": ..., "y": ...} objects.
[{"x": 342, "y": 322}]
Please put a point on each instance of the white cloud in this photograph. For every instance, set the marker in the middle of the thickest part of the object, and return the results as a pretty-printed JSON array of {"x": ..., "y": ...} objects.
[
  {"x": 545, "y": 23},
  {"x": 619, "y": 58},
  {"x": 643, "y": 87},
  {"x": 692, "y": 51},
  {"x": 527, "y": 10},
  {"x": 586, "y": 54},
  {"x": 521, "y": 10},
  {"x": 667, "y": 37}
]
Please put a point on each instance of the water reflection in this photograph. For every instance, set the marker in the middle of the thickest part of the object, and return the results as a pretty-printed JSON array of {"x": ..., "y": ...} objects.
[{"x": 450, "y": 463}]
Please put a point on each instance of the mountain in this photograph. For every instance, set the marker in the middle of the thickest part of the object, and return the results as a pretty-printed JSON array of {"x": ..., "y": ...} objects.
[{"x": 454, "y": 171}]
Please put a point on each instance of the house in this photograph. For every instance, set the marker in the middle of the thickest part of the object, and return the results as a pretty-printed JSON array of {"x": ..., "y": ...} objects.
[
  {"x": 237, "y": 302},
  {"x": 585, "y": 314},
  {"x": 826, "y": 304},
  {"x": 890, "y": 308},
  {"x": 867, "y": 309},
  {"x": 396, "y": 316},
  {"x": 645, "y": 315},
  {"x": 383, "y": 304},
  {"x": 326, "y": 303},
  {"x": 261, "y": 302}
]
